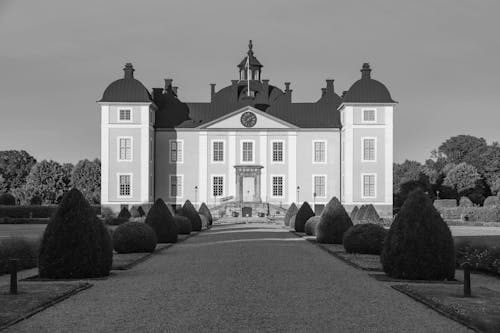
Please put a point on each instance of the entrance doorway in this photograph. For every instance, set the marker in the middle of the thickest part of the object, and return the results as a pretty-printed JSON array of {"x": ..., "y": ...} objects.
[{"x": 248, "y": 189}]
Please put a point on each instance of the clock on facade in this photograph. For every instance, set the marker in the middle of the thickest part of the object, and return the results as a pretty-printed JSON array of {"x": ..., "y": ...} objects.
[{"x": 248, "y": 119}]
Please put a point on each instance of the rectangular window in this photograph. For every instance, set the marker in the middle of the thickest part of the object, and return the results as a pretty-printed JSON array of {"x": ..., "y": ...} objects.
[
  {"x": 277, "y": 151},
  {"x": 368, "y": 149},
  {"x": 176, "y": 185},
  {"x": 125, "y": 149},
  {"x": 277, "y": 186},
  {"x": 369, "y": 186},
  {"x": 218, "y": 186},
  {"x": 369, "y": 116},
  {"x": 125, "y": 115},
  {"x": 319, "y": 152},
  {"x": 247, "y": 151},
  {"x": 320, "y": 186},
  {"x": 218, "y": 151},
  {"x": 125, "y": 186},
  {"x": 176, "y": 155}
]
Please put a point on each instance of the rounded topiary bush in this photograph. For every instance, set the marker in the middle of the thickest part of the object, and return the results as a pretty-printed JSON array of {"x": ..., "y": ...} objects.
[
  {"x": 367, "y": 238},
  {"x": 204, "y": 222},
  {"x": 491, "y": 201},
  {"x": 292, "y": 210},
  {"x": 419, "y": 245},
  {"x": 161, "y": 220},
  {"x": 206, "y": 212},
  {"x": 310, "y": 227},
  {"x": 75, "y": 244},
  {"x": 304, "y": 213},
  {"x": 7, "y": 199},
  {"x": 190, "y": 212},
  {"x": 333, "y": 223},
  {"x": 133, "y": 237},
  {"x": 183, "y": 225},
  {"x": 292, "y": 221},
  {"x": 354, "y": 211},
  {"x": 465, "y": 202}
]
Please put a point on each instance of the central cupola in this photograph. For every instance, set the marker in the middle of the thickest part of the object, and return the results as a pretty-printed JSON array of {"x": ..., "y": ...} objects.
[{"x": 250, "y": 61}]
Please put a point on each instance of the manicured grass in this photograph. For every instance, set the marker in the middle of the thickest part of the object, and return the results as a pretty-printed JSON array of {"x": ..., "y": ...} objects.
[
  {"x": 33, "y": 298},
  {"x": 479, "y": 312}
]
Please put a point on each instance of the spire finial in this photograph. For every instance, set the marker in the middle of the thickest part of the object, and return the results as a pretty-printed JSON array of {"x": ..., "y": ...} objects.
[
  {"x": 365, "y": 71},
  {"x": 250, "y": 45},
  {"x": 128, "y": 71}
]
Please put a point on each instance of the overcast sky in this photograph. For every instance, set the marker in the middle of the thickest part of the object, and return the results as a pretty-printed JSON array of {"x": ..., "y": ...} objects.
[{"x": 439, "y": 59}]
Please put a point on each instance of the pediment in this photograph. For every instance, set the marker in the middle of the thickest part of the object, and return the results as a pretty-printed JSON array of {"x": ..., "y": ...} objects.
[{"x": 233, "y": 120}]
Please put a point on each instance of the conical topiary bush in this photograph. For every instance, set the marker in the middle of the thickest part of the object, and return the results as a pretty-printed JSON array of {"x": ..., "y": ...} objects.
[
  {"x": 419, "y": 245},
  {"x": 124, "y": 214},
  {"x": 310, "y": 227},
  {"x": 183, "y": 224},
  {"x": 292, "y": 210},
  {"x": 190, "y": 212},
  {"x": 161, "y": 220},
  {"x": 360, "y": 215},
  {"x": 305, "y": 213},
  {"x": 371, "y": 215},
  {"x": 206, "y": 212},
  {"x": 7, "y": 199},
  {"x": 334, "y": 222},
  {"x": 75, "y": 243},
  {"x": 292, "y": 222},
  {"x": 354, "y": 211}
]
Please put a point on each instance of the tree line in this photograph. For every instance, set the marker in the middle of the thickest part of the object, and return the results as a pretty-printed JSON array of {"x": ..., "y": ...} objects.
[
  {"x": 45, "y": 182},
  {"x": 463, "y": 165}
]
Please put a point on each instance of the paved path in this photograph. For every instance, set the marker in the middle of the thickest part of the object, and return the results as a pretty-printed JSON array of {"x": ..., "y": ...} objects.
[{"x": 250, "y": 278}]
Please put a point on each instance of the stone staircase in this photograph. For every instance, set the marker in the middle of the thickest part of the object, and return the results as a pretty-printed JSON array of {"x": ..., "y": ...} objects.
[{"x": 227, "y": 209}]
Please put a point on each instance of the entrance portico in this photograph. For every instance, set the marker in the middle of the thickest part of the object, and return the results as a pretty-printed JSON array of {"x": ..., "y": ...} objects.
[{"x": 248, "y": 183}]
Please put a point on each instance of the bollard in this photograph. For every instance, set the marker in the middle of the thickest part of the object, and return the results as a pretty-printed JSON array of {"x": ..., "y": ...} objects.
[
  {"x": 13, "y": 264},
  {"x": 467, "y": 267}
]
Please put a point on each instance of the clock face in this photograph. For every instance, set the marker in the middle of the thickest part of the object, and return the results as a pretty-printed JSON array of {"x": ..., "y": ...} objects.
[{"x": 248, "y": 119}]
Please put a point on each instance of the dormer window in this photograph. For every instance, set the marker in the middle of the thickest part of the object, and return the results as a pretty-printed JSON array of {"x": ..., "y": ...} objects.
[{"x": 125, "y": 115}]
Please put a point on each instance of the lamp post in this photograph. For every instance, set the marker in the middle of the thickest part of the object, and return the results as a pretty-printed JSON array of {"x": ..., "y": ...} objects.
[
  {"x": 196, "y": 195},
  {"x": 298, "y": 193}
]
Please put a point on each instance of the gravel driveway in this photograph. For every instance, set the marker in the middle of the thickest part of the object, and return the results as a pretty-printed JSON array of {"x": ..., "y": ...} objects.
[{"x": 249, "y": 278}]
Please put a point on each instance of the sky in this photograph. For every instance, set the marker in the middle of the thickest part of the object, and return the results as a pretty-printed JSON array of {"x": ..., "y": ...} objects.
[{"x": 440, "y": 60}]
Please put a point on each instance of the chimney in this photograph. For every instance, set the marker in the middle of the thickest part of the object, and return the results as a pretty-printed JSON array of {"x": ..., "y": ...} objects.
[
  {"x": 287, "y": 86},
  {"x": 365, "y": 71},
  {"x": 344, "y": 93},
  {"x": 323, "y": 92},
  {"x": 174, "y": 89},
  {"x": 234, "y": 90},
  {"x": 128, "y": 71},
  {"x": 168, "y": 84},
  {"x": 329, "y": 87},
  {"x": 288, "y": 92},
  {"x": 265, "y": 87},
  {"x": 212, "y": 92},
  {"x": 157, "y": 92}
]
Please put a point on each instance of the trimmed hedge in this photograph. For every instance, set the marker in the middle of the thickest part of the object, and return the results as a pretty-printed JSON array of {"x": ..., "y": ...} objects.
[
  {"x": 465, "y": 202},
  {"x": 183, "y": 224},
  {"x": 190, "y": 212},
  {"x": 161, "y": 220},
  {"x": 7, "y": 199},
  {"x": 419, "y": 245},
  {"x": 134, "y": 237},
  {"x": 24, "y": 249},
  {"x": 292, "y": 210},
  {"x": 310, "y": 227},
  {"x": 474, "y": 214},
  {"x": 75, "y": 244},
  {"x": 34, "y": 211},
  {"x": 206, "y": 212},
  {"x": 305, "y": 213},
  {"x": 334, "y": 222},
  {"x": 491, "y": 201},
  {"x": 23, "y": 220},
  {"x": 204, "y": 222},
  {"x": 367, "y": 238}
]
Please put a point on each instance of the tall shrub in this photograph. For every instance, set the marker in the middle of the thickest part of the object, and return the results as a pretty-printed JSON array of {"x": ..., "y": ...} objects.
[
  {"x": 206, "y": 212},
  {"x": 7, "y": 199},
  {"x": 310, "y": 227},
  {"x": 305, "y": 213},
  {"x": 333, "y": 223},
  {"x": 190, "y": 212},
  {"x": 183, "y": 224},
  {"x": 132, "y": 237},
  {"x": 371, "y": 215},
  {"x": 354, "y": 212},
  {"x": 161, "y": 220},
  {"x": 367, "y": 238},
  {"x": 292, "y": 210},
  {"x": 75, "y": 243},
  {"x": 419, "y": 245}
]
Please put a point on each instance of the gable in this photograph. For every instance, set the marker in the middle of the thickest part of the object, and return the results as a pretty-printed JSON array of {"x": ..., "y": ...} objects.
[{"x": 233, "y": 120}]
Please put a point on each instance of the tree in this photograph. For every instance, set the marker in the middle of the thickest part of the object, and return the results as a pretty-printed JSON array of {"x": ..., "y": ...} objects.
[
  {"x": 405, "y": 172},
  {"x": 15, "y": 165},
  {"x": 48, "y": 180},
  {"x": 456, "y": 148},
  {"x": 86, "y": 177},
  {"x": 462, "y": 177},
  {"x": 487, "y": 162}
]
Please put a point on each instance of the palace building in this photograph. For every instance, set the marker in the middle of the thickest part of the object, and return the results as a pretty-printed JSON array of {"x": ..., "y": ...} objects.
[{"x": 249, "y": 144}]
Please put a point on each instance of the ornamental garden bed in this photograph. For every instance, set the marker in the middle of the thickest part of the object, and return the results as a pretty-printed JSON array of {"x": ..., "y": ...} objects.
[
  {"x": 479, "y": 312},
  {"x": 33, "y": 298}
]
